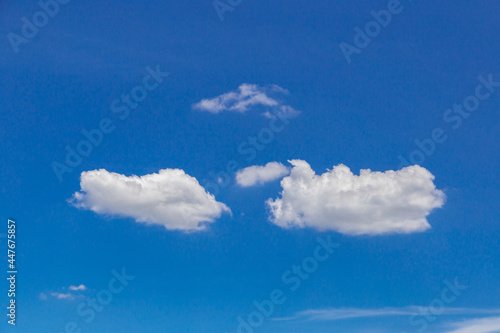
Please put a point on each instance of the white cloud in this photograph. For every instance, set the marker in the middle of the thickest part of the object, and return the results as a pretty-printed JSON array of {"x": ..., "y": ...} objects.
[
  {"x": 349, "y": 313},
  {"x": 246, "y": 96},
  {"x": 170, "y": 198},
  {"x": 257, "y": 174},
  {"x": 75, "y": 288},
  {"x": 282, "y": 110},
  {"x": 71, "y": 295},
  {"x": 483, "y": 325},
  {"x": 371, "y": 203},
  {"x": 333, "y": 314},
  {"x": 67, "y": 296}
]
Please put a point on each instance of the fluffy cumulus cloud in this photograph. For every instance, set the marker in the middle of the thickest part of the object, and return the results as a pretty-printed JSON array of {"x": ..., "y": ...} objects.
[
  {"x": 371, "y": 203},
  {"x": 245, "y": 97},
  {"x": 257, "y": 174},
  {"x": 170, "y": 198}
]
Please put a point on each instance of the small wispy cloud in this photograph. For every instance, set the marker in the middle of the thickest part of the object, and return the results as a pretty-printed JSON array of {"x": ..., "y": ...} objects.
[
  {"x": 74, "y": 291},
  {"x": 482, "y": 325},
  {"x": 257, "y": 174},
  {"x": 76, "y": 288},
  {"x": 333, "y": 314},
  {"x": 67, "y": 296},
  {"x": 244, "y": 98}
]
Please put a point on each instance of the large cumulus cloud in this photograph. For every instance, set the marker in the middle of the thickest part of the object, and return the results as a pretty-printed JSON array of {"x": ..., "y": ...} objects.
[
  {"x": 371, "y": 203},
  {"x": 170, "y": 198}
]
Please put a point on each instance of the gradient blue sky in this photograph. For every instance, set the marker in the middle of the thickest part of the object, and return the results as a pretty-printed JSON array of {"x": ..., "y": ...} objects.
[{"x": 364, "y": 114}]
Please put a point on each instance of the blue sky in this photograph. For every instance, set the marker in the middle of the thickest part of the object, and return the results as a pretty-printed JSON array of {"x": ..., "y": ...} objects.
[{"x": 203, "y": 249}]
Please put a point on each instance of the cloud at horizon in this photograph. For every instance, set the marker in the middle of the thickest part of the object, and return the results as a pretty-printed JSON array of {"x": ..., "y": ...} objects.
[
  {"x": 333, "y": 314},
  {"x": 478, "y": 325}
]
